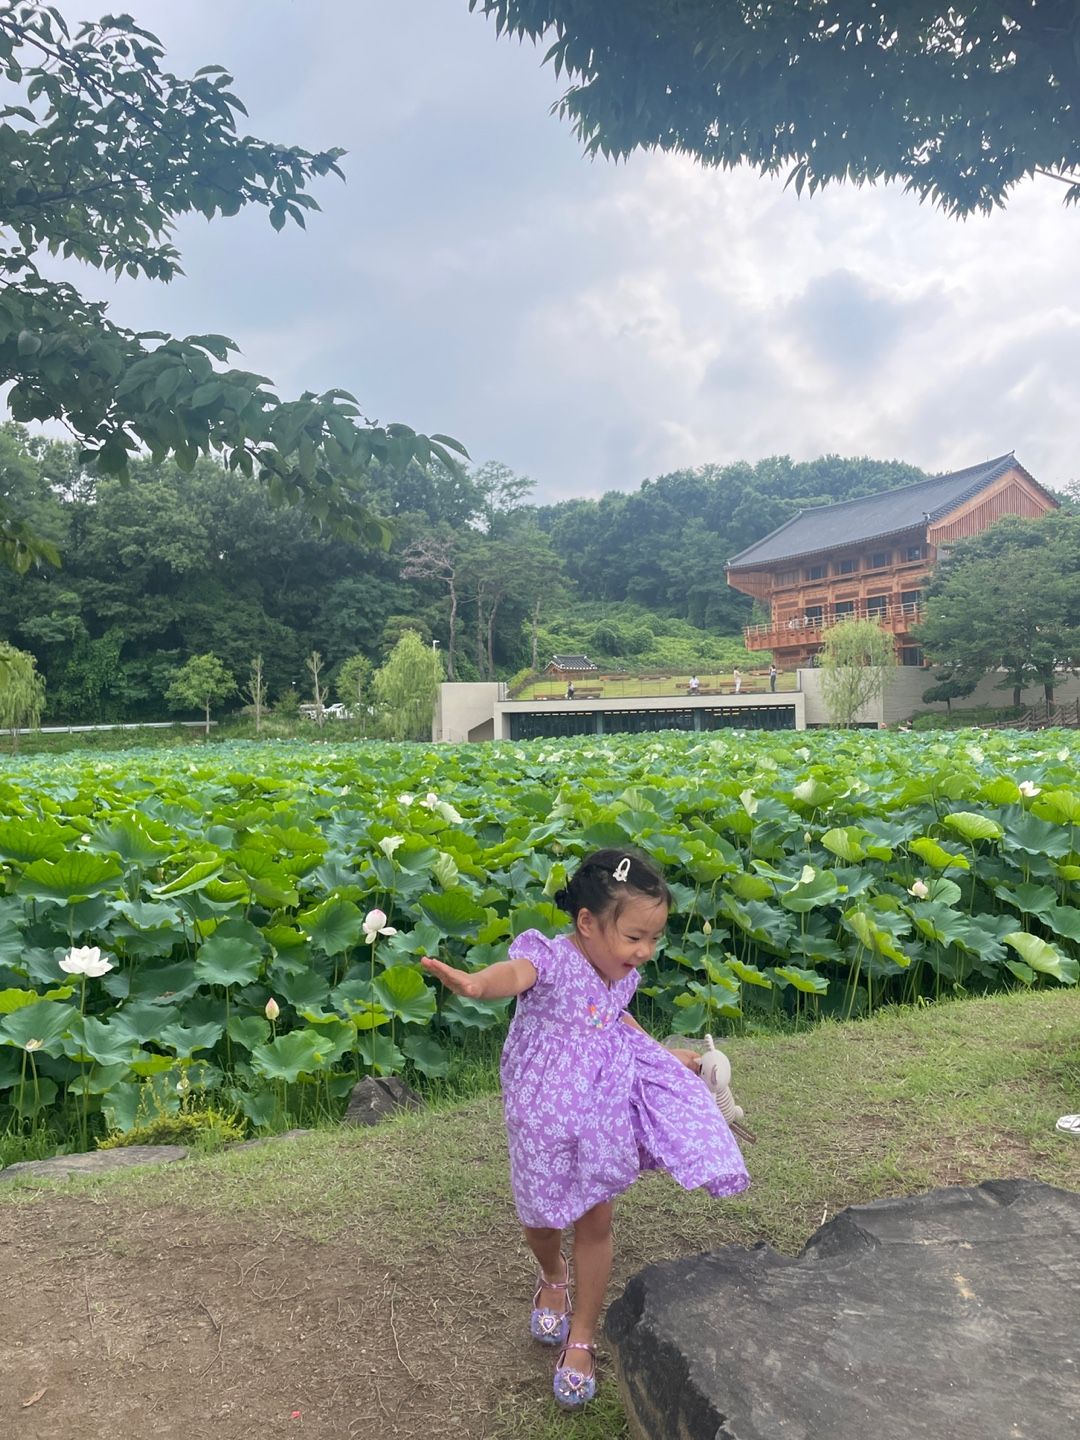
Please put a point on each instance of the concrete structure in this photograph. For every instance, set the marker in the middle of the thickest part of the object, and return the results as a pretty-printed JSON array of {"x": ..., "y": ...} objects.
[
  {"x": 903, "y": 696},
  {"x": 473, "y": 712}
]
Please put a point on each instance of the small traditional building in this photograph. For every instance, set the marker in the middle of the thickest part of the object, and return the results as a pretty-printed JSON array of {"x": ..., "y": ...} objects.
[
  {"x": 869, "y": 558},
  {"x": 570, "y": 667}
]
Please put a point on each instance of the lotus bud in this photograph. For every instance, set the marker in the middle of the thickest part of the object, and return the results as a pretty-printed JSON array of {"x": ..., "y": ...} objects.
[
  {"x": 272, "y": 1009},
  {"x": 706, "y": 929},
  {"x": 919, "y": 890}
]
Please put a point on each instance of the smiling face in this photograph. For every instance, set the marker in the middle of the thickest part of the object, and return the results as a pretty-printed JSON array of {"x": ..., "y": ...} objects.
[{"x": 624, "y": 939}]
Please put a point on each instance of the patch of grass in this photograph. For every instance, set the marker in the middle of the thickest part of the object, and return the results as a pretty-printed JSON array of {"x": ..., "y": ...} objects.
[
  {"x": 845, "y": 1113},
  {"x": 36, "y": 1144},
  {"x": 527, "y": 1417}
]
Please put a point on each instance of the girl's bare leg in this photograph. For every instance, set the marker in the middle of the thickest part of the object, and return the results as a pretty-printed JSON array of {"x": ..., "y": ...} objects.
[
  {"x": 546, "y": 1245},
  {"x": 592, "y": 1271}
]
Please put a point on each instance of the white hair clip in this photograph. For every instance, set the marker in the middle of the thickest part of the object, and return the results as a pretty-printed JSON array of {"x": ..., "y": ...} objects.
[{"x": 622, "y": 869}]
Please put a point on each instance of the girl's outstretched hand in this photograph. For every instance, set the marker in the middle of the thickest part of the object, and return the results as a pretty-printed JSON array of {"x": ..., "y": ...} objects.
[
  {"x": 690, "y": 1058},
  {"x": 459, "y": 981}
]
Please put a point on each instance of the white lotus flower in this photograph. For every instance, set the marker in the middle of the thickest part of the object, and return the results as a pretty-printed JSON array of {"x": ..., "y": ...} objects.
[
  {"x": 1063, "y": 754},
  {"x": 389, "y": 843},
  {"x": 919, "y": 890},
  {"x": 405, "y": 799},
  {"x": 430, "y": 800},
  {"x": 272, "y": 1009},
  {"x": 86, "y": 960},
  {"x": 1028, "y": 788},
  {"x": 375, "y": 925}
]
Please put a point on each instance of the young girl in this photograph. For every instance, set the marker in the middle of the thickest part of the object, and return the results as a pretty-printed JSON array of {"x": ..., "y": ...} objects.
[{"x": 590, "y": 1099}]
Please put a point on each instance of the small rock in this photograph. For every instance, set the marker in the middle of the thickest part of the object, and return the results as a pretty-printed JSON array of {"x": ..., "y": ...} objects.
[
  {"x": 377, "y": 1098},
  {"x": 95, "y": 1162}
]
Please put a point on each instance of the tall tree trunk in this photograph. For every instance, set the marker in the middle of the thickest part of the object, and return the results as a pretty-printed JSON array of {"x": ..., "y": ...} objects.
[
  {"x": 535, "y": 630},
  {"x": 491, "y": 640},
  {"x": 453, "y": 631}
]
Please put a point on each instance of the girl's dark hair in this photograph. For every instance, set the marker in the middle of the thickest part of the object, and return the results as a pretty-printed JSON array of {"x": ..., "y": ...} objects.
[{"x": 594, "y": 887}]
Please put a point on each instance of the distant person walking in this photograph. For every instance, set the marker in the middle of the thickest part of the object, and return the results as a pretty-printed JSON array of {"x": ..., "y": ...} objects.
[
  {"x": 773, "y": 672},
  {"x": 570, "y": 689},
  {"x": 736, "y": 675}
]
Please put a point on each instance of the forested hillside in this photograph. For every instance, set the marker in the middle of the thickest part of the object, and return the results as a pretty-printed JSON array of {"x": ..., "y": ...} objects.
[{"x": 176, "y": 564}]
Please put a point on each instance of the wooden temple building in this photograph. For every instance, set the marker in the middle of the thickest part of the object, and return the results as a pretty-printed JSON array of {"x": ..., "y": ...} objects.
[{"x": 869, "y": 558}]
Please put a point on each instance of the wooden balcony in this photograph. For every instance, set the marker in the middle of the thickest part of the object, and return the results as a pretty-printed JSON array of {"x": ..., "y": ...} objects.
[{"x": 807, "y": 630}]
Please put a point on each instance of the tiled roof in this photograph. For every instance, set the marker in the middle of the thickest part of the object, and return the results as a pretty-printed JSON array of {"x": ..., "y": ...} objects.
[
  {"x": 571, "y": 662},
  {"x": 871, "y": 516}
]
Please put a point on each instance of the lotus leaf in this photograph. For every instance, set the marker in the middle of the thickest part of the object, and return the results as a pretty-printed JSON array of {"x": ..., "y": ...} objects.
[
  {"x": 1044, "y": 957},
  {"x": 75, "y": 876},
  {"x": 807, "y": 981},
  {"x": 195, "y": 877},
  {"x": 301, "y": 1052},
  {"x": 936, "y": 855},
  {"x": 184, "y": 1040},
  {"x": 380, "y": 1053},
  {"x": 335, "y": 926},
  {"x": 44, "y": 1022},
  {"x": 227, "y": 961},
  {"x": 973, "y": 827},
  {"x": 405, "y": 994},
  {"x": 427, "y": 1055},
  {"x": 454, "y": 911}
]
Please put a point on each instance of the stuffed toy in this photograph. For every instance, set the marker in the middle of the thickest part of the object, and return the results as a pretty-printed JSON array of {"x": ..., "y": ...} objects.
[{"x": 716, "y": 1072}]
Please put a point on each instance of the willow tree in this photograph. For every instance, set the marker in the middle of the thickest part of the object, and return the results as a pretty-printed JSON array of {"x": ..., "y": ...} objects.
[
  {"x": 22, "y": 691},
  {"x": 406, "y": 688},
  {"x": 856, "y": 659}
]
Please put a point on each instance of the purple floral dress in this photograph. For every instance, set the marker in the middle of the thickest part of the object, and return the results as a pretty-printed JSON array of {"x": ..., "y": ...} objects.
[{"x": 591, "y": 1102}]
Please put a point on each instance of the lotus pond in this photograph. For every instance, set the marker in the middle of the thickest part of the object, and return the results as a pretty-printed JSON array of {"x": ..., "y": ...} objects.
[{"x": 229, "y": 892}]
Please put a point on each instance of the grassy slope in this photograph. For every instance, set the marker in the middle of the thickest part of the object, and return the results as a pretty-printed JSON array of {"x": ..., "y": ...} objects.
[{"x": 844, "y": 1113}]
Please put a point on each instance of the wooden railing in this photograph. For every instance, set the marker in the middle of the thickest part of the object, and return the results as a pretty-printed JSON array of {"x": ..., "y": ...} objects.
[
  {"x": 1047, "y": 716},
  {"x": 805, "y": 629}
]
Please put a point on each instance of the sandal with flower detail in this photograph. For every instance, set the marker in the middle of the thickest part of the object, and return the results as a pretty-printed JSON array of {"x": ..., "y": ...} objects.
[
  {"x": 551, "y": 1327},
  {"x": 573, "y": 1390}
]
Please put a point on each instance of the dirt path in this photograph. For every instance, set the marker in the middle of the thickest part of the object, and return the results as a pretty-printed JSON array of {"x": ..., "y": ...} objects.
[{"x": 138, "y": 1323}]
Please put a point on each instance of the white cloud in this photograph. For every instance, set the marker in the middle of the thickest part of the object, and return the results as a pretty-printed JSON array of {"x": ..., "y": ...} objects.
[{"x": 591, "y": 325}]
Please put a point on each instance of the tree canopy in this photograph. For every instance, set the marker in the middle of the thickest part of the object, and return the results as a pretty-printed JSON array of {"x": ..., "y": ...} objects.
[
  {"x": 101, "y": 152},
  {"x": 960, "y": 103},
  {"x": 1008, "y": 599}
]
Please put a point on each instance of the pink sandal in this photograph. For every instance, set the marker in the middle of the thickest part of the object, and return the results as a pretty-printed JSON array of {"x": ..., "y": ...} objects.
[
  {"x": 573, "y": 1390},
  {"x": 551, "y": 1327}
]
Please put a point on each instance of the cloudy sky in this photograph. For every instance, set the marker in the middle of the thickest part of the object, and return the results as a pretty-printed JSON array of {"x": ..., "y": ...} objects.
[{"x": 592, "y": 325}]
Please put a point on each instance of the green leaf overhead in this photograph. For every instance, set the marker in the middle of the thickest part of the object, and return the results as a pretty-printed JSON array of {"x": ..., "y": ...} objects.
[
  {"x": 108, "y": 152},
  {"x": 959, "y": 104}
]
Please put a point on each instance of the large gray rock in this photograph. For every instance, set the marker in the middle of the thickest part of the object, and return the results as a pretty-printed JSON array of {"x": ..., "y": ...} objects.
[
  {"x": 953, "y": 1315},
  {"x": 378, "y": 1097},
  {"x": 94, "y": 1162}
]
